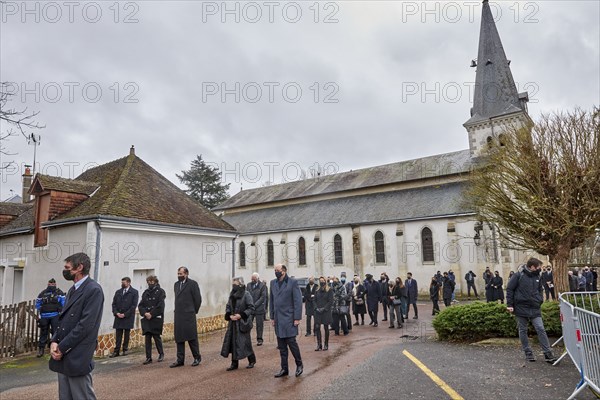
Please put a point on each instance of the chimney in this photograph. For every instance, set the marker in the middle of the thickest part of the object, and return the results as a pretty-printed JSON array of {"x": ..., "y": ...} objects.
[
  {"x": 26, "y": 184},
  {"x": 132, "y": 151}
]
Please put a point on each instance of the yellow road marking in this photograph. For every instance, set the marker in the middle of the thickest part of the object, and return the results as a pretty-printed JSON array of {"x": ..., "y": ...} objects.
[{"x": 453, "y": 395}]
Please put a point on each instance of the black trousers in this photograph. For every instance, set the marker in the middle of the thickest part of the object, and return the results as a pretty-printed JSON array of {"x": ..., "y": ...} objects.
[
  {"x": 157, "y": 342},
  {"x": 282, "y": 345},
  {"x": 47, "y": 329},
  {"x": 373, "y": 315},
  {"x": 119, "y": 336},
  {"x": 348, "y": 319},
  {"x": 362, "y": 317},
  {"x": 194, "y": 347},
  {"x": 259, "y": 319},
  {"x": 385, "y": 304},
  {"x": 309, "y": 319},
  {"x": 436, "y": 307},
  {"x": 320, "y": 337},
  {"x": 549, "y": 292},
  {"x": 337, "y": 319},
  {"x": 251, "y": 359},
  {"x": 415, "y": 308},
  {"x": 447, "y": 301},
  {"x": 469, "y": 286}
]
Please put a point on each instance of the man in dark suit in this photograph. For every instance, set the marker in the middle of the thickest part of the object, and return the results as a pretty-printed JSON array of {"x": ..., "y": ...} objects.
[
  {"x": 309, "y": 303},
  {"x": 413, "y": 291},
  {"x": 74, "y": 343},
  {"x": 373, "y": 290},
  {"x": 286, "y": 313},
  {"x": 187, "y": 304},
  {"x": 124, "y": 305},
  {"x": 258, "y": 290}
]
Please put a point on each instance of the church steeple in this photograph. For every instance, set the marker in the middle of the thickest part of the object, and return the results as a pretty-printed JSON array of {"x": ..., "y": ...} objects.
[{"x": 496, "y": 99}]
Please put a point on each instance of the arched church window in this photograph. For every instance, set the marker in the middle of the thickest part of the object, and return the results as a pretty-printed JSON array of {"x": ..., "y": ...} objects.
[
  {"x": 502, "y": 139},
  {"x": 242, "y": 254},
  {"x": 270, "y": 254},
  {"x": 379, "y": 247},
  {"x": 338, "y": 250},
  {"x": 301, "y": 251},
  {"x": 427, "y": 245},
  {"x": 490, "y": 142}
]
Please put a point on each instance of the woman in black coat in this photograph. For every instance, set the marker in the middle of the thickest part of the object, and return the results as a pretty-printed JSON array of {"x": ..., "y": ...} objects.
[
  {"x": 395, "y": 303},
  {"x": 239, "y": 312},
  {"x": 497, "y": 284},
  {"x": 434, "y": 294},
  {"x": 358, "y": 301},
  {"x": 448, "y": 290},
  {"x": 152, "y": 308},
  {"x": 323, "y": 316}
]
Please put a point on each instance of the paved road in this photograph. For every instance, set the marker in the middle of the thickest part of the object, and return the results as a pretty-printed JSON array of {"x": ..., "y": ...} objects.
[{"x": 367, "y": 364}]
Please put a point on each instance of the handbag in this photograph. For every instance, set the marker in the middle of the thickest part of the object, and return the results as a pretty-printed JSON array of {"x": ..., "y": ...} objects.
[
  {"x": 397, "y": 302},
  {"x": 359, "y": 302},
  {"x": 246, "y": 326}
]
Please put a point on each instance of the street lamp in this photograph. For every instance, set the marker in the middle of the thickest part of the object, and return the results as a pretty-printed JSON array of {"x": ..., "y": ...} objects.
[{"x": 477, "y": 238}]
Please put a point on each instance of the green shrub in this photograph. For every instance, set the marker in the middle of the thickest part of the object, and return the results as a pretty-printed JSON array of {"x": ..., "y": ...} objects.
[{"x": 478, "y": 321}]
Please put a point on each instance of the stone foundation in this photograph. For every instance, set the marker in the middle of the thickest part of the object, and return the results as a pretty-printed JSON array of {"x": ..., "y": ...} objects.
[{"x": 106, "y": 343}]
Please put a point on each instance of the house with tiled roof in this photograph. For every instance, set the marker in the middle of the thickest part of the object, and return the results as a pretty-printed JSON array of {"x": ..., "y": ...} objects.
[
  {"x": 408, "y": 216},
  {"x": 130, "y": 220}
]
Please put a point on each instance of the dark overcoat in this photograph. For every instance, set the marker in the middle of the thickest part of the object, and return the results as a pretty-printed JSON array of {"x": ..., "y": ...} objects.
[
  {"x": 412, "y": 290},
  {"x": 448, "y": 289},
  {"x": 373, "y": 290},
  {"x": 323, "y": 307},
  {"x": 153, "y": 302},
  {"x": 237, "y": 343},
  {"x": 187, "y": 304},
  {"x": 497, "y": 290},
  {"x": 77, "y": 331},
  {"x": 259, "y": 296},
  {"x": 286, "y": 306},
  {"x": 360, "y": 295},
  {"x": 125, "y": 304},
  {"x": 309, "y": 298}
]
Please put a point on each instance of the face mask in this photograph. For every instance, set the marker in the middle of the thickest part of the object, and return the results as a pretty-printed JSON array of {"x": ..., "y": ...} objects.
[
  {"x": 151, "y": 287},
  {"x": 181, "y": 278},
  {"x": 67, "y": 275},
  {"x": 356, "y": 281},
  {"x": 51, "y": 288},
  {"x": 330, "y": 282},
  {"x": 343, "y": 280},
  {"x": 322, "y": 284},
  {"x": 398, "y": 282},
  {"x": 311, "y": 282},
  {"x": 234, "y": 287},
  {"x": 278, "y": 274}
]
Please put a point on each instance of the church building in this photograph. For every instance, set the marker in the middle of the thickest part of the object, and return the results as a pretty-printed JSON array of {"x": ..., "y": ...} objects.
[{"x": 409, "y": 216}]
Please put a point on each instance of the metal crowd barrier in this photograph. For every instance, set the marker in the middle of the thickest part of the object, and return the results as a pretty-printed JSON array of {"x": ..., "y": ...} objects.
[{"x": 580, "y": 319}]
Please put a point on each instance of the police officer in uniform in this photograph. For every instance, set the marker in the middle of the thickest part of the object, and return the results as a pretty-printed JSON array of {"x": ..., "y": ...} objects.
[{"x": 49, "y": 303}]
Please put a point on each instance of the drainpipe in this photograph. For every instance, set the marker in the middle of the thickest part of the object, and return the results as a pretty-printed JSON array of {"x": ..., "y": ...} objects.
[
  {"x": 233, "y": 256},
  {"x": 97, "y": 258}
]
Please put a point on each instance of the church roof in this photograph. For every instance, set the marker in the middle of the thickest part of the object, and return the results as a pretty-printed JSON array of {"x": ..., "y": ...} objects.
[
  {"x": 422, "y": 168},
  {"x": 427, "y": 202},
  {"x": 495, "y": 90}
]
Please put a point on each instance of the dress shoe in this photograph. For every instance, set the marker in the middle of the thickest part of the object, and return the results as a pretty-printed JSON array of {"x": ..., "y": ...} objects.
[
  {"x": 231, "y": 367},
  {"x": 362, "y": 323},
  {"x": 356, "y": 323},
  {"x": 259, "y": 343},
  {"x": 40, "y": 352},
  {"x": 251, "y": 365},
  {"x": 400, "y": 326},
  {"x": 282, "y": 373},
  {"x": 391, "y": 326},
  {"x": 326, "y": 347},
  {"x": 114, "y": 354},
  {"x": 176, "y": 364},
  {"x": 148, "y": 361},
  {"x": 375, "y": 325},
  {"x": 308, "y": 334},
  {"x": 125, "y": 352},
  {"x": 370, "y": 323},
  {"x": 196, "y": 362},
  {"x": 415, "y": 317},
  {"x": 383, "y": 320},
  {"x": 299, "y": 370},
  {"x": 319, "y": 348},
  {"x": 161, "y": 357}
]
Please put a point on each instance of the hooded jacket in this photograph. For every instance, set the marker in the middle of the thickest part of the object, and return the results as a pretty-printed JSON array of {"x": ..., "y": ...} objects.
[{"x": 524, "y": 294}]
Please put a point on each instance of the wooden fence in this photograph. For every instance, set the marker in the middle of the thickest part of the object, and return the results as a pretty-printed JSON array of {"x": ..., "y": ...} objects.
[{"x": 18, "y": 329}]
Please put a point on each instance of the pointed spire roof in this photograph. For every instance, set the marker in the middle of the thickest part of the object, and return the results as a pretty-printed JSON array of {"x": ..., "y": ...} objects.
[{"x": 495, "y": 90}]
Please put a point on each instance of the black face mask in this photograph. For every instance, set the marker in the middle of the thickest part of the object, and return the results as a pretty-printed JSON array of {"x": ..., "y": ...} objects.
[
  {"x": 51, "y": 288},
  {"x": 181, "y": 278},
  {"x": 151, "y": 287},
  {"x": 278, "y": 274},
  {"x": 67, "y": 275},
  {"x": 322, "y": 284}
]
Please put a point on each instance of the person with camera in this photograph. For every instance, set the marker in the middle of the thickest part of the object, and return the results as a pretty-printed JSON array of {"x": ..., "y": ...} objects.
[{"x": 49, "y": 303}]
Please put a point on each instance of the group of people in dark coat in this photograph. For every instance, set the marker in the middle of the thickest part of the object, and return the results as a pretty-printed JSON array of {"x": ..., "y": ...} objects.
[{"x": 494, "y": 286}]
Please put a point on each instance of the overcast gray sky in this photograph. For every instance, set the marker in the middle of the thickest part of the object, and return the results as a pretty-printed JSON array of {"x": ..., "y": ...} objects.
[{"x": 262, "y": 89}]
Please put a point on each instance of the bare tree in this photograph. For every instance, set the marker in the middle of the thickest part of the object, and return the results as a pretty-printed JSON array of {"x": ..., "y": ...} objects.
[
  {"x": 542, "y": 186},
  {"x": 13, "y": 121}
]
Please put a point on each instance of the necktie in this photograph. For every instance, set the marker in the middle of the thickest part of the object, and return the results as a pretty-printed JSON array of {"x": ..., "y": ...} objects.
[{"x": 69, "y": 293}]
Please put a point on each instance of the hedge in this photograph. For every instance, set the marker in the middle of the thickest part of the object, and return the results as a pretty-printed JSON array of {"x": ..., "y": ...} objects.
[{"x": 477, "y": 321}]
